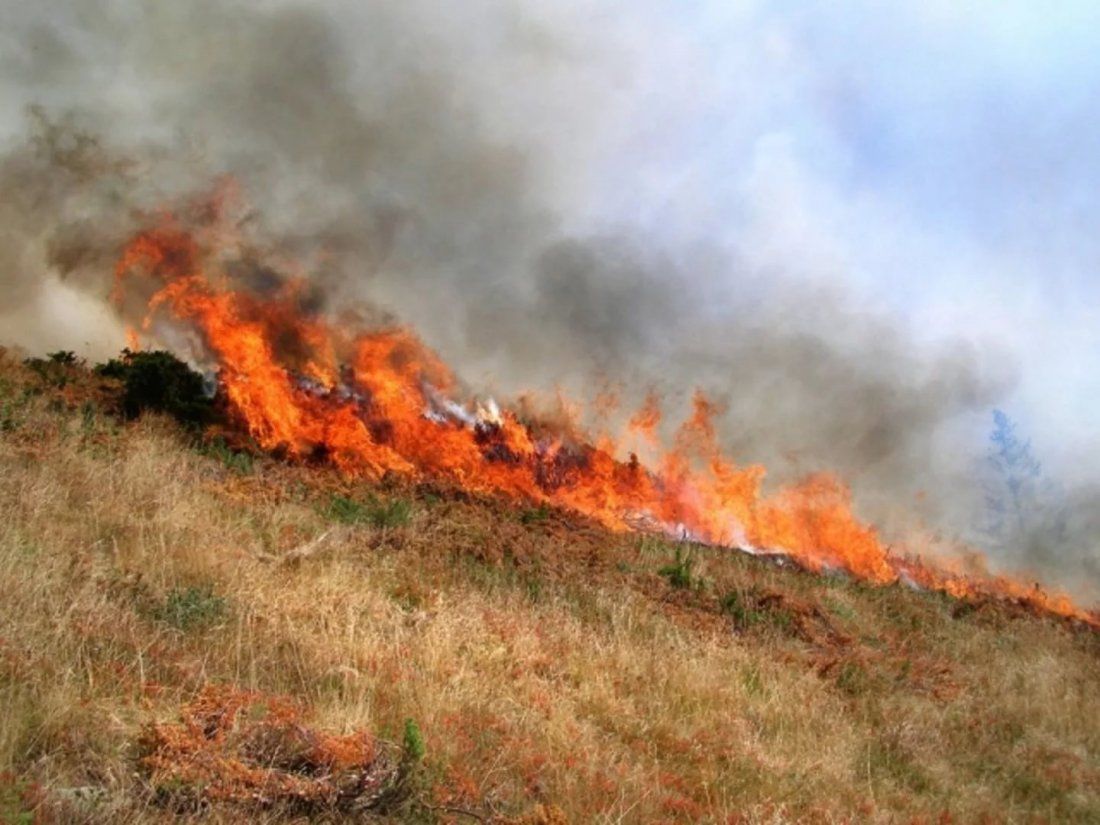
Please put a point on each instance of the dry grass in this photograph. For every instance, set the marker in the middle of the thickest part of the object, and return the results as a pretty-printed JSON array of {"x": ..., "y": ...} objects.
[{"x": 555, "y": 673}]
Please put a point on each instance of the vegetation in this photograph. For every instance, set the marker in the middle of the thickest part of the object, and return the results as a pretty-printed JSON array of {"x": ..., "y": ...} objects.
[
  {"x": 237, "y": 461},
  {"x": 159, "y": 382},
  {"x": 191, "y": 607},
  {"x": 17, "y": 802},
  {"x": 535, "y": 515},
  {"x": 55, "y": 369},
  {"x": 395, "y": 513},
  {"x": 679, "y": 573},
  {"x": 234, "y": 746},
  {"x": 169, "y": 652},
  {"x": 414, "y": 741}
]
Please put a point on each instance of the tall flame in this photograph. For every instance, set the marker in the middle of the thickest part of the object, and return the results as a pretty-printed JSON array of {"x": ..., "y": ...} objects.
[{"x": 379, "y": 401}]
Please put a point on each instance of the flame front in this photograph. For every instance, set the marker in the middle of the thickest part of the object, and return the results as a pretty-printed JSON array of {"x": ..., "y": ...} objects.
[{"x": 378, "y": 401}]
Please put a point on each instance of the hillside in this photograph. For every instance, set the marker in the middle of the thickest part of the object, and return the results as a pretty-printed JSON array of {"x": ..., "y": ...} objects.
[{"x": 188, "y": 631}]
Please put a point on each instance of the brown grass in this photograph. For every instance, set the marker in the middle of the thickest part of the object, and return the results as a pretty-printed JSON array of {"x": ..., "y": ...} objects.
[{"x": 555, "y": 673}]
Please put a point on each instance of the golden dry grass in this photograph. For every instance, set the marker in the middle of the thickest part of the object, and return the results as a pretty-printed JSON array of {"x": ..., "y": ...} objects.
[{"x": 555, "y": 674}]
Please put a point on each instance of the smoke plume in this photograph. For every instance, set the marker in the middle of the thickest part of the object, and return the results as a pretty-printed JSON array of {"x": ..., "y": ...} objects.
[{"x": 439, "y": 163}]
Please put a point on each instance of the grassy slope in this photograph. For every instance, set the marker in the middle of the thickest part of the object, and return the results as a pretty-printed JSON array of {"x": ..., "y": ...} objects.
[{"x": 546, "y": 662}]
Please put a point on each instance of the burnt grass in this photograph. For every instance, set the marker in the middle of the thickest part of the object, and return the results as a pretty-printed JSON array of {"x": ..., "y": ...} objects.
[{"x": 550, "y": 671}]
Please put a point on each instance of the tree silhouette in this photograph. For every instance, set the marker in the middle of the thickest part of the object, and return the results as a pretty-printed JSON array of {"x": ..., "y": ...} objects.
[{"x": 1022, "y": 507}]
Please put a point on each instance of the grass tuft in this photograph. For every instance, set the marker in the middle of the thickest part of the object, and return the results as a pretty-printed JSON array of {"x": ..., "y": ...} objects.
[
  {"x": 235, "y": 461},
  {"x": 192, "y": 608},
  {"x": 535, "y": 515},
  {"x": 393, "y": 513},
  {"x": 679, "y": 573}
]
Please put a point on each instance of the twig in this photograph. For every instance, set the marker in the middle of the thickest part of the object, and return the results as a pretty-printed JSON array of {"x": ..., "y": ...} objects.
[{"x": 300, "y": 552}]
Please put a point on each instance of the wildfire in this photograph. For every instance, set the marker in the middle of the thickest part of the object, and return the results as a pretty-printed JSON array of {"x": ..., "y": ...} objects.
[{"x": 379, "y": 401}]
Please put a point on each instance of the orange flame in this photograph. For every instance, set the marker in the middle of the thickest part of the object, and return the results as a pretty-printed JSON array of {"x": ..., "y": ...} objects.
[{"x": 379, "y": 401}]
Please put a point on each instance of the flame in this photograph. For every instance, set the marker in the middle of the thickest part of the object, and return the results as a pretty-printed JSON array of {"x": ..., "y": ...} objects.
[{"x": 376, "y": 401}]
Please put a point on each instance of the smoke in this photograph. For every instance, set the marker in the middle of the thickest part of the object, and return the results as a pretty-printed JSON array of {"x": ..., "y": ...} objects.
[
  {"x": 441, "y": 163},
  {"x": 52, "y": 242},
  {"x": 1070, "y": 548}
]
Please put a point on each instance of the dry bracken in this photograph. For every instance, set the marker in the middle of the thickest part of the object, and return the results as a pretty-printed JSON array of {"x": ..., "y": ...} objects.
[{"x": 555, "y": 675}]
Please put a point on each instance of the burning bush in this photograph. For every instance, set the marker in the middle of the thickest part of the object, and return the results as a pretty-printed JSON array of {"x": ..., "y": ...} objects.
[{"x": 243, "y": 747}]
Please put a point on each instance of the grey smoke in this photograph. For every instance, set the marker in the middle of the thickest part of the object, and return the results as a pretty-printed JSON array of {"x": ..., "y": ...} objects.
[{"x": 436, "y": 162}]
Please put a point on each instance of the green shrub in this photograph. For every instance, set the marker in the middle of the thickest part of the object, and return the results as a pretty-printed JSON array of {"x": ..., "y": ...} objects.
[
  {"x": 394, "y": 513},
  {"x": 535, "y": 515},
  {"x": 191, "y": 608},
  {"x": 235, "y": 460},
  {"x": 161, "y": 382},
  {"x": 736, "y": 606},
  {"x": 679, "y": 573},
  {"x": 16, "y": 801},
  {"x": 345, "y": 510},
  {"x": 55, "y": 369},
  {"x": 9, "y": 416},
  {"x": 414, "y": 742},
  {"x": 853, "y": 678},
  {"x": 751, "y": 607}
]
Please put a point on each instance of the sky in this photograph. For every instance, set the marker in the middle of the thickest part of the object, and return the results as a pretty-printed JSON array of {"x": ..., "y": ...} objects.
[{"x": 939, "y": 156}]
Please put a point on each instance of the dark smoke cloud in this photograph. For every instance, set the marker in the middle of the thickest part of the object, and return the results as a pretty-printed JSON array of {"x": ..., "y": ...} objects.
[
  {"x": 436, "y": 162},
  {"x": 61, "y": 215}
]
